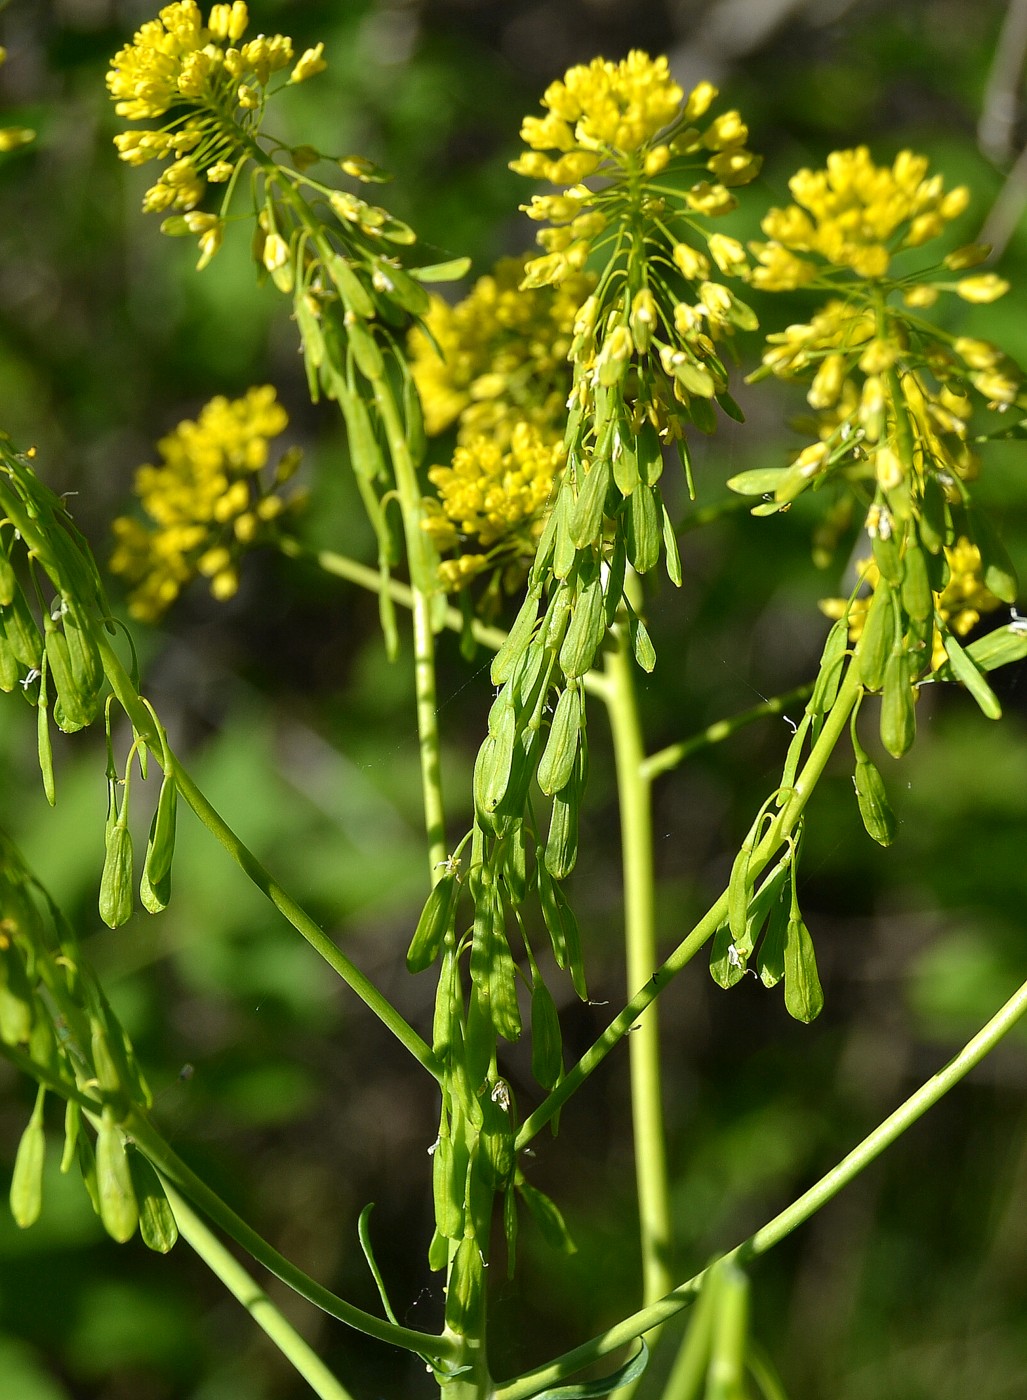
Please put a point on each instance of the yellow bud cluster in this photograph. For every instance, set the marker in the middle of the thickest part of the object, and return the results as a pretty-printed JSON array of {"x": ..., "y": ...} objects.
[
  {"x": 205, "y": 502},
  {"x": 854, "y": 214}
]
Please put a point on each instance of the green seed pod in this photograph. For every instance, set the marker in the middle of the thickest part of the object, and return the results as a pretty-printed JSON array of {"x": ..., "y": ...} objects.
[
  {"x": 727, "y": 960},
  {"x": 898, "y": 715},
  {"x": 562, "y": 843},
  {"x": 10, "y": 671},
  {"x": 21, "y": 631},
  {"x": 671, "y": 553},
  {"x": 75, "y": 705},
  {"x": 934, "y": 522},
  {"x": 160, "y": 848},
  {"x": 546, "y": 1037},
  {"x": 517, "y": 640},
  {"x": 496, "y": 1156},
  {"x": 547, "y": 1217},
  {"x": 643, "y": 529},
  {"x": 641, "y": 644},
  {"x": 413, "y": 421},
  {"x": 366, "y": 351},
  {"x": 438, "y": 1252},
  {"x": 158, "y": 1228},
  {"x": 27, "y": 1180},
  {"x": 364, "y": 451},
  {"x": 83, "y": 654},
  {"x": 587, "y": 517},
  {"x": 15, "y": 999},
  {"x": 878, "y": 636},
  {"x": 770, "y": 960},
  {"x": 887, "y": 558},
  {"x": 804, "y": 997},
  {"x": 43, "y": 1048},
  {"x": 832, "y": 663},
  {"x": 999, "y": 648},
  {"x": 563, "y": 929},
  {"x": 614, "y": 593},
  {"x": 564, "y": 551},
  {"x": 557, "y": 762},
  {"x": 917, "y": 598},
  {"x": 437, "y": 918},
  {"x": 8, "y": 581},
  {"x": 464, "y": 1292},
  {"x": 649, "y": 451},
  {"x": 351, "y": 289},
  {"x": 502, "y": 981},
  {"x": 872, "y": 797},
  {"x": 105, "y": 1066},
  {"x": 119, "y": 1211},
  {"x": 445, "y": 1008},
  {"x": 447, "y": 1190},
  {"x": 585, "y": 632},
  {"x": 515, "y": 864},
  {"x": 72, "y": 1128},
  {"x": 115, "y": 902},
  {"x": 964, "y": 670},
  {"x": 624, "y": 454},
  {"x": 739, "y": 889}
]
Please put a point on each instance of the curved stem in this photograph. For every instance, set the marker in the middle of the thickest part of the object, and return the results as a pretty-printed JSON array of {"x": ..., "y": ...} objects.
[
  {"x": 256, "y": 1302},
  {"x": 634, "y": 796},
  {"x": 357, "y": 981},
  {"x": 778, "y": 831},
  {"x": 792, "y": 1216},
  {"x": 170, "y": 1166},
  {"x": 665, "y": 759}
]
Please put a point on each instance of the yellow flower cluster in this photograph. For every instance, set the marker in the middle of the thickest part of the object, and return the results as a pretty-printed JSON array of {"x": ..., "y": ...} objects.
[
  {"x": 630, "y": 124},
  {"x": 210, "y": 81},
  {"x": 856, "y": 216},
  {"x": 496, "y": 365},
  {"x": 205, "y": 500},
  {"x": 960, "y": 603}
]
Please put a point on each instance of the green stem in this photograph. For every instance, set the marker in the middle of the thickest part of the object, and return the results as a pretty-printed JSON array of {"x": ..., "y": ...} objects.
[
  {"x": 781, "y": 827},
  {"x": 254, "y": 1299},
  {"x": 357, "y": 981},
  {"x": 791, "y": 1217},
  {"x": 171, "y": 1166},
  {"x": 341, "y": 566},
  {"x": 423, "y": 587},
  {"x": 634, "y": 796},
  {"x": 665, "y": 759}
]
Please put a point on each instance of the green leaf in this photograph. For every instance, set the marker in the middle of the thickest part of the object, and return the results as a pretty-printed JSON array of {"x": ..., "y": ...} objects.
[{"x": 592, "y": 1390}]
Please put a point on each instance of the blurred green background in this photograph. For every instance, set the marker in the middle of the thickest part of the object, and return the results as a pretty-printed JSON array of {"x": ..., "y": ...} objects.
[{"x": 912, "y": 1284}]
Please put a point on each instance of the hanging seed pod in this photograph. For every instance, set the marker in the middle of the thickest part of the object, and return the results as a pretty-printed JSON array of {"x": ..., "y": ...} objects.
[
  {"x": 564, "y": 551},
  {"x": 727, "y": 960},
  {"x": 8, "y": 581},
  {"x": 546, "y": 1037},
  {"x": 83, "y": 655},
  {"x": 160, "y": 847},
  {"x": 445, "y": 1004},
  {"x": 562, "y": 843},
  {"x": 614, "y": 592},
  {"x": 118, "y": 1209},
  {"x": 465, "y": 1289},
  {"x": 447, "y": 1190},
  {"x": 832, "y": 663},
  {"x": 964, "y": 670},
  {"x": 21, "y": 631},
  {"x": 502, "y": 981},
  {"x": 547, "y": 1217},
  {"x": 557, "y": 762},
  {"x": 15, "y": 998},
  {"x": 626, "y": 474},
  {"x": 10, "y": 671},
  {"x": 671, "y": 553},
  {"x": 934, "y": 522},
  {"x": 75, "y": 706},
  {"x": 804, "y": 997},
  {"x": 364, "y": 452},
  {"x": 643, "y": 529},
  {"x": 898, "y": 715},
  {"x": 916, "y": 595},
  {"x": 27, "y": 1180},
  {"x": 438, "y": 917},
  {"x": 517, "y": 640},
  {"x": 641, "y": 644},
  {"x": 514, "y": 864},
  {"x": 351, "y": 289},
  {"x": 72, "y": 1128},
  {"x": 115, "y": 902},
  {"x": 585, "y": 632},
  {"x": 158, "y": 1228},
  {"x": 770, "y": 960},
  {"x": 496, "y": 1155},
  {"x": 438, "y": 1252},
  {"x": 878, "y": 636},
  {"x": 872, "y": 797},
  {"x": 887, "y": 558},
  {"x": 587, "y": 517}
]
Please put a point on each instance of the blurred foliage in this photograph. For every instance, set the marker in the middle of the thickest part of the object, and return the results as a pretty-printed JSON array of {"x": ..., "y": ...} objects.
[{"x": 911, "y": 1284}]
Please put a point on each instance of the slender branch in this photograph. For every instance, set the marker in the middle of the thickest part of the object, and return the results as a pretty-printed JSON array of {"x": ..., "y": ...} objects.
[
  {"x": 636, "y": 826},
  {"x": 665, "y": 759},
  {"x": 254, "y": 1299},
  {"x": 365, "y": 577},
  {"x": 781, "y": 827},
  {"x": 791, "y": 1217},
  {"x": 301, "y": 921},
  {"x": 171, "y": 1166}
]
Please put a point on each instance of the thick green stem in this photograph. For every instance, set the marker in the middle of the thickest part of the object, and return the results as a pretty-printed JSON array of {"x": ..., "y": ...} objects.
[
  {"x": 423, "y": 587},
  {"x": 170, "y": 1166},
  {"x": 143, "y": 723},
  {"x": 634, "y": 795},
  {"x": 780, "y": 828},
  {"x": 791, "y": 1217},
  {"x": 254, "y": 1299}
]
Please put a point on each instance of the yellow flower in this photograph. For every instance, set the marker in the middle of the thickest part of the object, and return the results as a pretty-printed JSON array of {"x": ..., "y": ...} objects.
[{"x": 203, "y": 501}]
